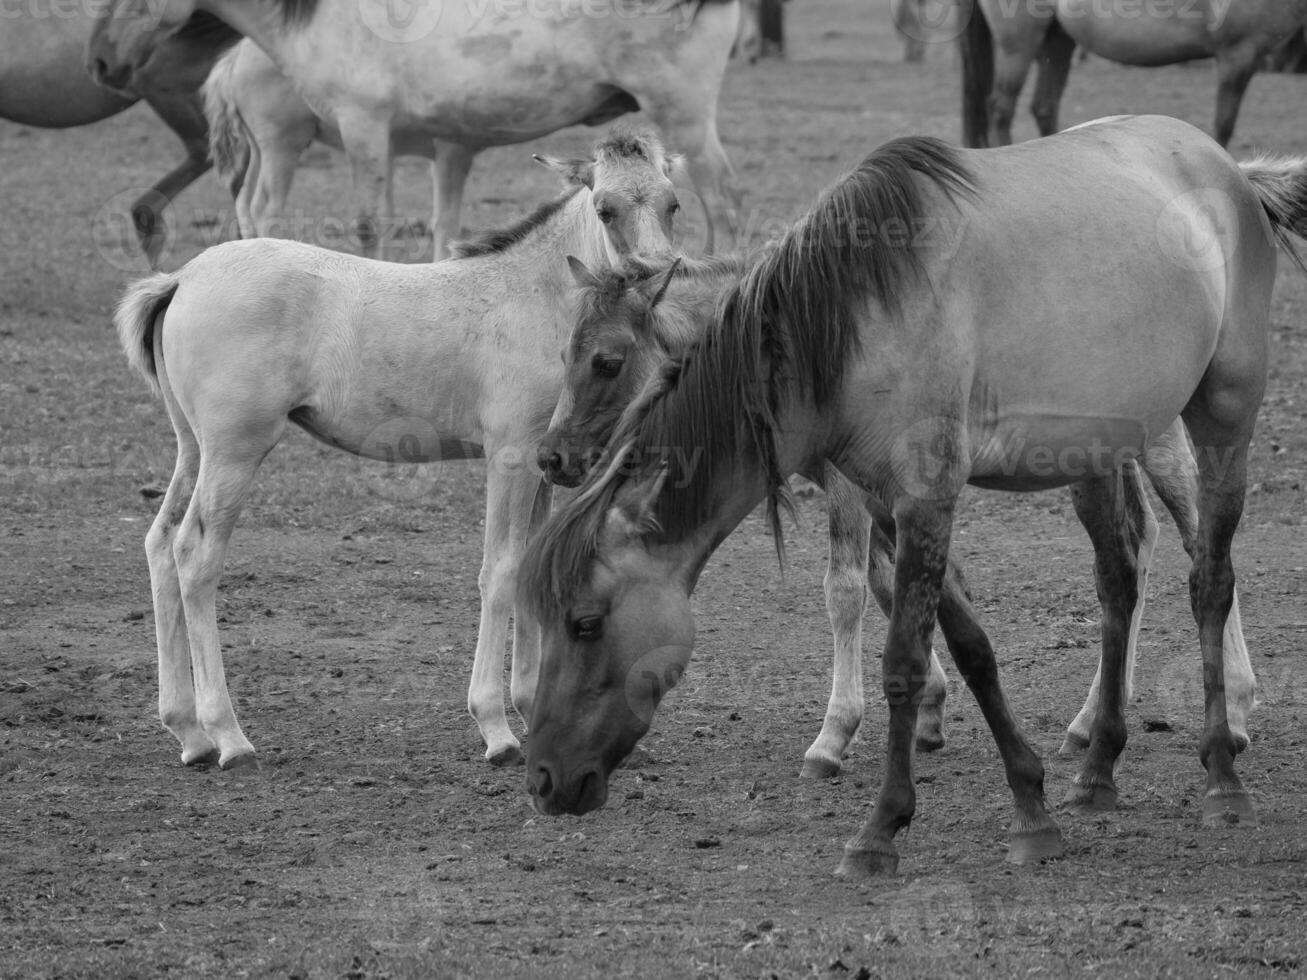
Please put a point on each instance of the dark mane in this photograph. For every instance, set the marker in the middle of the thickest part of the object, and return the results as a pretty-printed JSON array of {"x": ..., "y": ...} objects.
[
  {"x": 786, "y": 331},
  {"x": 491, "y": 242},
  {"x": 297, "y": 13},
  {"x": 208, "y": 31}
]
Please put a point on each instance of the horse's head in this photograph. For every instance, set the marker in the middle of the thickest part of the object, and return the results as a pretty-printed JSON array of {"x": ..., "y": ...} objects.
[
  {"x": 127, "y": 35},
  {"x": 615, "y": 637},
  {"x": 615, "y": 352},
  {"x": 630, "y": 181}
]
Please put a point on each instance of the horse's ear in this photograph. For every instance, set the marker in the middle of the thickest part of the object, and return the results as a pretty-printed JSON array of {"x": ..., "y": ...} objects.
[
  {"x": 581, "y": 273},
  {"x": 665, "y": 282},
  {"x": 572, "y": 171},
  {"x": 632, "y": 513}
]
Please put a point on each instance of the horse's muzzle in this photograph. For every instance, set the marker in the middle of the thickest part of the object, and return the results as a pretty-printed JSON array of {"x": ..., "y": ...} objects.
[{"x": 582, "y": 791}]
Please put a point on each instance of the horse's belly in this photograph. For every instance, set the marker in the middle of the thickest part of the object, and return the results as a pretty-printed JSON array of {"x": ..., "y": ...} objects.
[
  {"x": 498, "y": 115},
  {"x": 1139, "y": 33}
]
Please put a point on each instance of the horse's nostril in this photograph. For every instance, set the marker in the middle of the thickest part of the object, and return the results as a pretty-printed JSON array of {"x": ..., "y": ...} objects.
[{"x": 542, "y": 785}]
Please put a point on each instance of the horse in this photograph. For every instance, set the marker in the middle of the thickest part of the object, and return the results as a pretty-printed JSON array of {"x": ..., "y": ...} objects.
[
  {"x": 613, "y": 363},
  {"x": 402, "y": 363},
  {"x": 259, "y": 126},
  {"x": 43, "y": 83},
  {"x": 1238, "y": 34},
  {"x": 986, "y": 356},
  {"x": 468, "y": 77}
]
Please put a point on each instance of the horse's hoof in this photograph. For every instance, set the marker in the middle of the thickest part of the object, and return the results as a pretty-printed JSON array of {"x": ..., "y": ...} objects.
[
  {"x": 1229, "y": 810},
  {"x": 819, "y": 769},
  {"x": 1097, "y": 798},
  {"x": 504, "y": 756},
  {"x": 859, "y": 863},
  {"x": 1035, "y": 846},
  {"x": 1073, "y": 744},
  {"x": 201, "y": 757},
  {"x": 930, "y": 741},
  {"x": 245, "y": 764}
]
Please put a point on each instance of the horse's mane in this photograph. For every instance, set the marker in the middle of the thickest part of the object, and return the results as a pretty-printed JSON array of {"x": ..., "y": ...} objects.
[
  {"x": 491, "y": 242},
  {"x": 204, "y": 29},
  {"x": 622, "y": 142},
  {"x": 296, "y": 13},
  {"x": 786, "y": 330}
]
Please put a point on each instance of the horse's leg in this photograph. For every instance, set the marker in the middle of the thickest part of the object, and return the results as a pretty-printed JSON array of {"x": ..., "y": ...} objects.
[
  {"x": 1016, "y": 42},
  {"x": 450, "y": 169},
  {"x": 1110, "y": 510},
  {"x": 526, "y": 633},
  {"x": 176, "y": 687},
  {"x": 846, "y": 599},
  {"x": 921, "y": 559},
  {"x": 1034, "y": 835},
  {"x": 1078, "y": 732},
  {"x": 510, "y": 494},
  {"x": 366, "y": 140},
  {"x": 1171, "y": 466},
  {"x": 1235, "y": 67},
  {"x": 227, "y": 467},
  {"x": 1219, "y": 420},
  {"x": 1050, "y": 78},
  {"x": 279, "y": 154},
  {"x": 185, "y": 117},
  {"x": 880, "y": 576},
  {"x": 690, "y": 126},
  {"x": 906, "y": 15}
]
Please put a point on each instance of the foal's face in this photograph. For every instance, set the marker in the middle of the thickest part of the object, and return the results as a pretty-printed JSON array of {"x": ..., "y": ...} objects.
[
  {"x": 636, "y": 203},
  {"x": 606, "y": 662},
  {"x": 128, "y": 34},
  {"x": 607, "y": 362}
]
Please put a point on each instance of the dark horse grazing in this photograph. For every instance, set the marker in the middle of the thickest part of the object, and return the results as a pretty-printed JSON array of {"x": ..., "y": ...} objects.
[
  {"x": 1239, "y": 34},
  {"x": 43, "y": 82},
  {"x": 993, "y": 357}
]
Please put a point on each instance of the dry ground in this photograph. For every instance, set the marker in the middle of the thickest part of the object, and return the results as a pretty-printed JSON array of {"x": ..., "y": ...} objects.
[{"x": 376, "y": 843}]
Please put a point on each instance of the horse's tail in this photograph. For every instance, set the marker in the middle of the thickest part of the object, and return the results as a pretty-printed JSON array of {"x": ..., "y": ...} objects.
[
  {"x": 1281, "y": 184},
  {"x": 227, "y": 141},
  {"x": 137, "y": 317},
  {"x": 976, "y": 45}
]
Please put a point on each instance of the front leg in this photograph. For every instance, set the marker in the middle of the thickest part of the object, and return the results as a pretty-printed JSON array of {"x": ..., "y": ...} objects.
[
  {"x": 449, "y": 170},
  {"x": 923, "y": 529},
  {"x": 367, "y": 144}
]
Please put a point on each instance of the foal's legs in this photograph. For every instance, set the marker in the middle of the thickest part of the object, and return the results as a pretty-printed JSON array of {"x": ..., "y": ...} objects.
[
  {"x": 1110, "y": 508},
  {"x": 510, "y": 495},
  {"x": 176, "y": 688},
  {"x": 852, "y": 565},
  {"x": 526, "y": 632},
  {"x": 449, "y": 170},
  {"x": 227, "y": 467}
]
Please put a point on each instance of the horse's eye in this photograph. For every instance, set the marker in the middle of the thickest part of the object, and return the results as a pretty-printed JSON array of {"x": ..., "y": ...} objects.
[
  {"x": 674, "y": 206},
  {"x": 607, "y": 367},
  {"x": 606, "y": 215},
  {"x": 588, "y": 628}
]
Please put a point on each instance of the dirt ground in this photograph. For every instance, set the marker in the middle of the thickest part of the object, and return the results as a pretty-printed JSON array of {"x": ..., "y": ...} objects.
[{"x": 377, "y": 843}]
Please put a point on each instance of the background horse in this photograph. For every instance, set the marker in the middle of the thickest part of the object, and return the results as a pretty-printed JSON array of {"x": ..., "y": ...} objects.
[
  {"x": 1239, "y": 34},
  {"x": 917, "y": 371},
  {"x": 469, "y": 78},
  {"x": 259, "y": 127},
  {"x": 43, "y": 83},
  {"x": 389, "y": 361},
  {"x": 614, "y": 364}
]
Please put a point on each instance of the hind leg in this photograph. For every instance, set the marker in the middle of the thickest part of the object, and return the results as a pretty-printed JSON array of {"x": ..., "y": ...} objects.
[
  {"x": 449, "y": 170},
  {"x": 176, "y": 688},
  {"x": 1110, "y": 510},
  {"x": 1171, "y": 466},
  {"x": 1050, "y": 78},
  {"x": 1235, "y": 67},
  {"x": 1016, "y": 45},
  {"x": 199, "y": 550}
]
